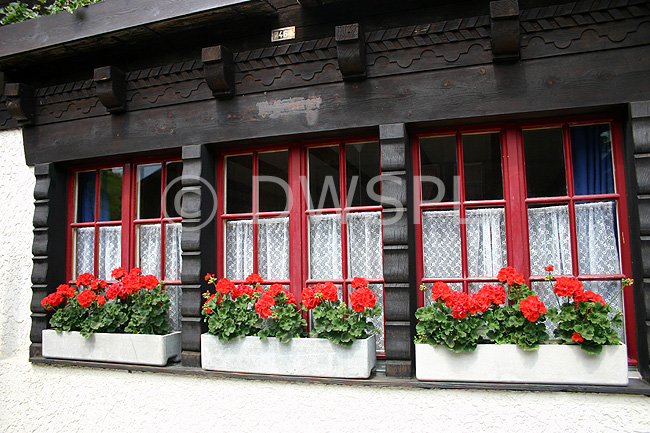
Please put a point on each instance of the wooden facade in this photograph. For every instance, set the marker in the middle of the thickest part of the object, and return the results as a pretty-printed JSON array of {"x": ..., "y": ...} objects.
[{"x": 117, "y": 80}]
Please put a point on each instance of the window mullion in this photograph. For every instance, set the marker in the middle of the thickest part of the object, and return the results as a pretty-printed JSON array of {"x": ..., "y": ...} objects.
[
  {"x": 573, "y": 233},
  {"x": 516, "y": 209},
  {"x": 462, "y": 210},
  {"x": 97, "y": 218},
  {"x": 343, "y": 185},
  {"x": 255, "y": 209}
]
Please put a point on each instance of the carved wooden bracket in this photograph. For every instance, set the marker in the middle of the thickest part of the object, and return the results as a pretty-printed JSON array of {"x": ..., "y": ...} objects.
[
  {"x": 219, "y": 69},
  {"x": 20, "y": 102},
  {"x": 351, "y": 52},
  {"x": 110, "y": 83},
  {"x": 504, "y": 20}
]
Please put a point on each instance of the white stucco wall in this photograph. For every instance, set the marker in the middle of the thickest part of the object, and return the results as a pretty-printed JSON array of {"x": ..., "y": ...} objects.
[{"x": 37, "y": 398}]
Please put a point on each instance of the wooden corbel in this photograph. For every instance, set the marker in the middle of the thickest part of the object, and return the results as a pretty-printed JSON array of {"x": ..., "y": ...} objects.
[
  {"x": 351, "y": 52},
  {"x": 110, "y": 83},
  {"x": 504, "y": 24},
  {"x": 219, "y": 70},
  {"x": 20, "y": 102}
]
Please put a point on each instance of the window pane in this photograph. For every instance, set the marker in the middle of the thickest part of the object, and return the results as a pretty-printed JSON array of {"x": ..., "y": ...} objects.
[
  {"x": 609, "y": 290},
  {"x": 591, "y": 153},
  {"x": 149, "y": 249},
  {"x": 482, "y": 165},
  {"x": 86, "y": 197},
  {"x": 365, "y": 255},
  {"x": 239, "y": 249},
  {"x": 324, "y": 182},
  {"x": 438, "y": 161},
  {"x": 110, "y": 203},
  {"x": 545, "y": 168},
  {"x": 173, "y": 257},
  {"x": 110, "y": 250},
  {"x": 174, "y": 171},
  {"x": 325, "y": 255},
  {"x": 239, "y": 184},
  {"x": 378, "y": 290},
  {"x": 486, "y": 241},
  {"x": 598, "y": 251},
  {"x": 549, "y": 239},
  {"x": 441, "y": 242},
  {"x": 362, "y": 166},
  {"x": 474, "y": 287},
  {"x": 273, "y": 248},
  {"x": 272, "y": 195},
  {"x": 149, "y": 180},
  {"x": 85, "y": 250},
  {"x": 174, "y": 316}
]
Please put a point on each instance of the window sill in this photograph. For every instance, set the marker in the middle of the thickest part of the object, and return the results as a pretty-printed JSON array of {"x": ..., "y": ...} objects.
[{"x": 378, "y": 378}]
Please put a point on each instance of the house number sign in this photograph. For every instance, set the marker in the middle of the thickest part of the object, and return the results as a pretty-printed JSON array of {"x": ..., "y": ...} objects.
[{"x": 283, "y": 34}]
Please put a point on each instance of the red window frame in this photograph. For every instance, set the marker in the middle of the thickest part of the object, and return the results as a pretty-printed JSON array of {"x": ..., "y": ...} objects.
[
  {"x": 516, "y": 204},
  {"x": 298, "y": 213},
  {"x": 128, "y": 220}
]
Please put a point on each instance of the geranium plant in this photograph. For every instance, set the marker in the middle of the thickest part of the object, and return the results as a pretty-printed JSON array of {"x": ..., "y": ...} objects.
[
  {"x": 133, "y": 303},
  {"x": 460, "y": 321},
  {"x": 250, "y": 309},
  {"x": 336, "y": 321},
  {"x": 583, "y": 317}
]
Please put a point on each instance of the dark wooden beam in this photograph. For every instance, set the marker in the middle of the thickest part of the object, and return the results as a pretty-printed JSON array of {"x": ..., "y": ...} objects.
[
  {"x": 110, "y": 83},
  {"x": 20, "y": 102},
  {"x": 351, "y": 51},
  {"x": 504, "y": 23},
  {"x": 219, "y": 69}
]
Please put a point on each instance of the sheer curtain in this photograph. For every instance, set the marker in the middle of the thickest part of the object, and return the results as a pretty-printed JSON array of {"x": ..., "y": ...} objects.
[
  {"x": 149, "y": 260},
  {"x": 239, "y": 249},
  {"x": 486, "y": 241},
  {"x": 365, "y": 258},
  {"x": 441, "y": 243},
  {"x": 85, "y": 257},
  {"x": 273, "y": 248},
  {"x": 325, "y": 247},
  {"x": 597, "y": 241},
  {"x": 549, "y": 239},
  {"x": 110, "y": 250}
]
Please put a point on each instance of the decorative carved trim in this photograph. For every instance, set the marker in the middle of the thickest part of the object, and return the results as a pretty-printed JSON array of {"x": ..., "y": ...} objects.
[
  {"x": 20, "y": 102},
  {"x": 504, "y": 26},
  {"x": 110, "y": 85},
  {"x": 351, "y": 52},
  {"x": 219, "y": 69}
]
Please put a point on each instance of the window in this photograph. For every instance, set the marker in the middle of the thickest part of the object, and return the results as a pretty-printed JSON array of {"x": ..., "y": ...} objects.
[
  {"x": 121, "y": 216},
  {"x": 526, "y": 195},
  {"x": 302, "y": 214}
]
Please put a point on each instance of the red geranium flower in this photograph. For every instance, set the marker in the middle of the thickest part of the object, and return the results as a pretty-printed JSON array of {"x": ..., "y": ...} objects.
[
  {"x": 264, "y": 304},
  {"x": 118, "y": 273},
  {"x": 567, "y": 286},
  {"x": 85, "y": 279},
  {"x": 549, "y": 268},
  {"x": 359, "y": 282},
  {"x": 149, "y": 281},
  {"x": 328, "y": 291},
  {"x": 208, "y": 276},
  {"x": 86, "y": 298},
  {"x": 588, "y": 296},
  {"x": 290, "y": 298},
  {"x": 309, "y": 298},
  {"x": 577, "y": 337},
  {"x": 532, "y": 308},
  {"x": 254, "y": 279},
  {"x": 65, "y": 290},
  {"x": 224, "y": 286},
  {"x": 362, "y": 298},
  {"x": 440, "y": 290},
  {"x": 101, "y": 300},
  {"x": 52, "y": 300},
  {"x": 240, "y": 290},
  {"x": 275, "y": 289}
]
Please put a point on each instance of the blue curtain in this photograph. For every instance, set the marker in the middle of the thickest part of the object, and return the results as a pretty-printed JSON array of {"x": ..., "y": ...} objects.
[
  {"x": 86, "y": 197},
  {"x": 591, "y": 151}
]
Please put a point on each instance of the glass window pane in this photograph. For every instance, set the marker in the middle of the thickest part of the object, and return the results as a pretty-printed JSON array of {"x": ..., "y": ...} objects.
[
  {"x": 174, "y": 171},
  {"x": 441, "y": 244},
  {"x": 545, "y": 168},
  {"x": 486, "y": 241},
  {"x": 85, "y": 250},
  {"x": 325, "y": 254},
  {"x": 149, "y": 248},
  {"x": 174, "y": 316},
  {"x": 438, "y": 168},
  {"x": 239, "y": 184},
  {"x": 362, "y": 167},
  {"x": 549, "y": 239},
  {"x": 110, "y": 250},
  {"x": 598, "y": 252},
  {"x": 273, "y": 195},
  {"x": 591, "y": 153},
  {"x": 378, "y": 290},
  {"x": 273, "y": 248},
  {"x": 324, "y": 182},
  {"x": 110, "y": 203},
  {"x": 482, "y": 165},
  {"x": 173, "y": 252},
  {"x": 365, "y": 255},
  {"x": 149, "y": 179},
  {"x": 238, "y": 248},
  {"x": 86, "y": 196}
]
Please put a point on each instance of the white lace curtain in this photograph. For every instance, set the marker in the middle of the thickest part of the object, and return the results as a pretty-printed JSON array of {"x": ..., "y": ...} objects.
[
  {"x": 273, "y": 248},
  {"x": 110, "y": 250},
  {"x": 486, "y": 242}
]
